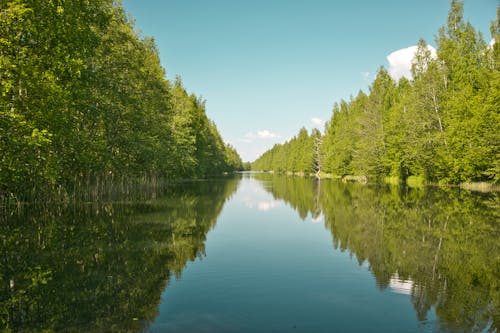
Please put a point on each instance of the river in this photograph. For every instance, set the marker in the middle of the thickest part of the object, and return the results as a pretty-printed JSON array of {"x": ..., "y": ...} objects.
[{"x": 255, "y": 253}]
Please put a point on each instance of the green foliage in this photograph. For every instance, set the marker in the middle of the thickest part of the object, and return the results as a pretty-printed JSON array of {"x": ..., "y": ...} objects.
[
  {"x": 294, "y": 156},
  {"x": 442, "y": 126},
  {"x": 83, "y": 95},
  {"x": 198, "y": 149}
]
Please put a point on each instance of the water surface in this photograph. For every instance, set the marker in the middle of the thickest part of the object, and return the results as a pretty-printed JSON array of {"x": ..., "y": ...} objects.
[{"x": 256, "y": 253}]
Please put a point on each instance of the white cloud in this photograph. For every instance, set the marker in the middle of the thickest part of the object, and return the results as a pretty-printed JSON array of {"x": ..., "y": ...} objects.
[
  {"x": 265, "y": 134},
  {"x": 400, "y": 61},
  {"x": 365, "y": 75},
  {"x": 492, "y": 42},
  {"x": 317, "y": 122}
]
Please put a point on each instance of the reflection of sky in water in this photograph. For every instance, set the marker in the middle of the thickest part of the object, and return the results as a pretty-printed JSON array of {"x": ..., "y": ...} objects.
[
  {"x": 254, "y": 196},
  {"x": 260, "y": 260}
]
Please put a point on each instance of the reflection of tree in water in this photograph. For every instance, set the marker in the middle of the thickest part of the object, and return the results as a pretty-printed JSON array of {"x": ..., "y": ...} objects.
[
  {"x": 101, "y": 267},
  {"x": 444, "y": 240},
  {"x": 299, "y": 192}
]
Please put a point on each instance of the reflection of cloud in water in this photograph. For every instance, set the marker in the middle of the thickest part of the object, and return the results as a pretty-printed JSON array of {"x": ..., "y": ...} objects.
[
  {"x": 248, "y": 202},
  {"x": 263, "y": 205},
  {"x": 267, "y": 205},
  {"x": 318, "y": 219},
  {"x": 400, "y": 286},
  {"x": 256, "y": 197}
]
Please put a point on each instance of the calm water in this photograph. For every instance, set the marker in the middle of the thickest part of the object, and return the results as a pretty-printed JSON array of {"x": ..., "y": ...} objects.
[{"x": 257, "y": 253}]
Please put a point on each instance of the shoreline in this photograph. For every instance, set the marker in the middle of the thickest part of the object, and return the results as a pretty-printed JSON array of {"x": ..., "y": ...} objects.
[{"x": 412, "y": 181}]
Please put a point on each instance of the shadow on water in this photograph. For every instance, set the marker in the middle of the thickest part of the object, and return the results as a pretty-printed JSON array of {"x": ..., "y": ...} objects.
[
  {"x": 438, "y": 245},
  {"x": 100, "y": 266}
]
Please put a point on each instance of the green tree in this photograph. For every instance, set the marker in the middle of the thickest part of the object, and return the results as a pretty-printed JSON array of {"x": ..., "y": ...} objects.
[
  {"x": 371, "y": 148},
  {"x": 463, "y": 53},
  {"x": 84, "y": 97},
  {"x": 442, "y": 125}
]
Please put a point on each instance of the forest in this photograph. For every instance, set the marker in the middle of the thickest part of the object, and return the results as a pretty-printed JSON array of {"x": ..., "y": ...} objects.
[
  {"x": 84, "y": 97},
  {"x": 441, "y": 126}
]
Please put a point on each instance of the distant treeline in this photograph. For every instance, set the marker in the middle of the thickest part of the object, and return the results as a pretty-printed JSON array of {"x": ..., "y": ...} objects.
[
  {"x": 84, "y": 96},
  {"x": 442, "y": 126}
]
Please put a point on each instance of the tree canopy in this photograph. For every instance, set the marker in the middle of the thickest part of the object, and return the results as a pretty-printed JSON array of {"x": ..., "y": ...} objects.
[
  {"x": 84, "y": 95},
  {"x": 442, "y": 125}
]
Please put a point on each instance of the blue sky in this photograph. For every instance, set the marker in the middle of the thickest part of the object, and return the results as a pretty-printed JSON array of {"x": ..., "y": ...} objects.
[{"x": 269, "y": 67}]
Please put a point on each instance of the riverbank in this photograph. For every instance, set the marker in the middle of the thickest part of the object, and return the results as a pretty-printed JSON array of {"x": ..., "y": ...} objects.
[{"x": 412, "y": 181}]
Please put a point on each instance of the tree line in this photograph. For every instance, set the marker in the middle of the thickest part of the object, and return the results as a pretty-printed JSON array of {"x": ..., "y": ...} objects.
[
  {"x": 440, "y": 126},
  {"x": 293, "y": 156},
  {"x": 83, "y": 95}
]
